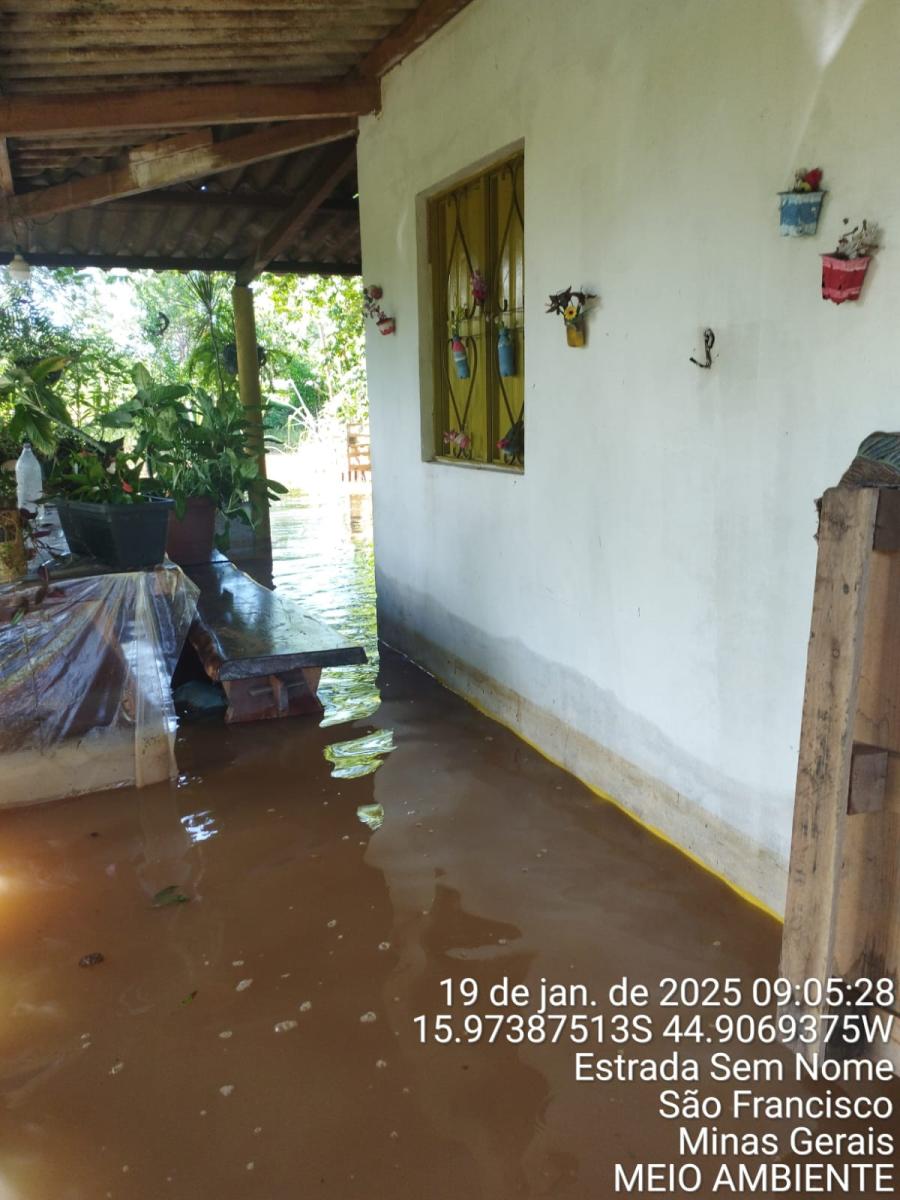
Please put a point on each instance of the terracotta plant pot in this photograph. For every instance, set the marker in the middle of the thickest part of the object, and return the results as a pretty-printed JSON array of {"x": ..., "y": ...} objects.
[
  {"x": 191, "y": 540},
  {"x": 800, "y": 213},
  {"x": 842, "y": 278},
  {"x": 575, "y": 335},
  {"x": 12, "y": 546}
]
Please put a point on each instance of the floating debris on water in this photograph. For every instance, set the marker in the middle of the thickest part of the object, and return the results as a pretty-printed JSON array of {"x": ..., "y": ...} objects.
[
  {"x": 367, "y": 1018},
  {"x": 381, "y": 1064},
  {"x": 169, "y": 895},
  {"x": 116, "y": 1067},
  {"x": 384, "y": 945},
  {"x": 90, "y": 960},
  {"x": 332, "y": 923},
  {"x": 360, "y": 756},
  {"x": 371, "y": 815},
  {"x": 226, "y": 1033},
  {"x": 226, "y": 1089},
  {"x": 285, "y": 1026},
  {"x": 305, "y": 1006},
  {"x": 243, "y": 985}
]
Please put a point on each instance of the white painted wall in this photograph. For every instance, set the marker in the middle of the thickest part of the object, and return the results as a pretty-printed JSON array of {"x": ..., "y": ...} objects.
[{"x": 640, "y": 597}]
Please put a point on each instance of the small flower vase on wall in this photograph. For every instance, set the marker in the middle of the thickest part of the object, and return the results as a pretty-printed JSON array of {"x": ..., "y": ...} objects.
[
  {"x": 842, "y": 278},
  {"x": 800, "y": 213},
  {"x": 506, "y": 352},
  {"x": 575, "y": 333},
  {"x": 460, "y": 357}
]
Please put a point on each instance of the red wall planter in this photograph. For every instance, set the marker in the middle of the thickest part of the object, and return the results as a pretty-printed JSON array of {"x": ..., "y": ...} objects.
[{"x": 842, "y": 278}]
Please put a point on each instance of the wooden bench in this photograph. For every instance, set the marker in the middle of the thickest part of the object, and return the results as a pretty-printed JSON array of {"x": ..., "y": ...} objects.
[{"x": 262, "y": 648}]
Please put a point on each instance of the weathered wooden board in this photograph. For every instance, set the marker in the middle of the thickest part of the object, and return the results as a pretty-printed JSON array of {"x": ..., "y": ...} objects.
[
  {"x": 846, "y": 530},
  {"x": 245, "y": 631},
  {"x": 843, "y": 910}
]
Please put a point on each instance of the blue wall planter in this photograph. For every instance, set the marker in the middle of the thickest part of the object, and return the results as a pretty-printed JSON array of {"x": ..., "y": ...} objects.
[
  {"x": 800, "y": 213},
  {"x": 506, "y": 352},
  {"x": 460, "y": 358}
]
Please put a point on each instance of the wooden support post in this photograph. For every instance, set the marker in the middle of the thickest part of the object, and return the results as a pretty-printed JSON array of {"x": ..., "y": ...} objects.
[
  {"x": 846, "y": 531},
  {"x": 251, "y": 398}
]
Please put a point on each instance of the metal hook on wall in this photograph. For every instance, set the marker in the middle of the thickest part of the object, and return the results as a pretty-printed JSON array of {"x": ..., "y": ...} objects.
[{"x": 709, "y": 340}]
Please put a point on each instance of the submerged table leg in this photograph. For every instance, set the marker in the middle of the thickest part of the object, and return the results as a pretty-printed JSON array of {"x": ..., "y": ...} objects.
[{"x": 288, "y": 694}]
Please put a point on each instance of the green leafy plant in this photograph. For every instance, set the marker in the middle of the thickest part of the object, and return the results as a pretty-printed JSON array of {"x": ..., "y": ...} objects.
[
  {"x": 118, "y": 478},
  {"x": 36, "y": 412},
  {"x": 196, "y": 446}
]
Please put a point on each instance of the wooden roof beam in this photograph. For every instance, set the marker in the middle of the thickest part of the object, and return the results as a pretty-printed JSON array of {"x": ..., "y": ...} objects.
[
  {"x": 194, "y": 105},
  {"x": 336, "y": 164},
  {"x": 204, "y": 201},
  {"x": 149, "y": 262},
  {"x": 176, "y": 160},
  {"x": 418, "y": 27}
]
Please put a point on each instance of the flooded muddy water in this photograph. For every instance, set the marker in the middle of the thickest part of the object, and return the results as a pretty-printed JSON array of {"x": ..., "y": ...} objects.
[{"x": 270, "y": 1019}]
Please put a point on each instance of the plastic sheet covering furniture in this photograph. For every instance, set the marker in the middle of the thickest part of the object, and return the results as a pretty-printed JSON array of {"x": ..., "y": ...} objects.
[{"x": 85, "y": 670}]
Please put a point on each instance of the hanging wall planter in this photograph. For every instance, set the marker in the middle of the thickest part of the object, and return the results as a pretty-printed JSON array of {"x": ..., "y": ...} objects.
[
  {"x": 506, "y": 352},
  {"x": 572, "y": 307},
  {"x": 844, "y": 271},
  {"x": 800, "y": 207},
  {"x": 371, "y": 308},
  {"x": 460, "y": 357},
  {"x": 842, "y": 278}
]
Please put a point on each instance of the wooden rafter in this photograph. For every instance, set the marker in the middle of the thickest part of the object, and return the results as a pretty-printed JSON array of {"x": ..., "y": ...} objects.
[
  {"x": 202, "y": 201},
  {"x": 60, "y": 11},
  {"x": 200, "y": 104},
  {"x": 168, "y": 262},
  {"x": 336, "y": 164},
  {"x": 158, "y": 166},
  {"x": 426, "y": 20}
]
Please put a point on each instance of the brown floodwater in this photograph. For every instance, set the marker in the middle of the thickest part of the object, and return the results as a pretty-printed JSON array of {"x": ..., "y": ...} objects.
[{"x": 259, "y": 1039}]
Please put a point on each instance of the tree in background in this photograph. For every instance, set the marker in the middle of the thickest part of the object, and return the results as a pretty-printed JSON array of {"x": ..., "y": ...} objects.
[
  {"x": 181, "y": 324},
  {"x": 321, "y": 318},
  {"x": 62, "y": 314}
]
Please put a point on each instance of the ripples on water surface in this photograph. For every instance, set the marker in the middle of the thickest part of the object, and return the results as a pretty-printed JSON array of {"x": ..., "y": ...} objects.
[{"x": 322, "y": 557}]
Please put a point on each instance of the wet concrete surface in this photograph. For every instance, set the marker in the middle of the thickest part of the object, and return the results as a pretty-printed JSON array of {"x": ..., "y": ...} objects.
[{"x": 259, "y": 1040}]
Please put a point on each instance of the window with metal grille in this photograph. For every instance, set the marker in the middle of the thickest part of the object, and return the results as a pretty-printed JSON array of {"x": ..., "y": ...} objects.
[{"x": 476, "y": 235}]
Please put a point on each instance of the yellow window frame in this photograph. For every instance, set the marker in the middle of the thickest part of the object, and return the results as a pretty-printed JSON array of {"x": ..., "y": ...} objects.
[{"x": 478, "y": 226}]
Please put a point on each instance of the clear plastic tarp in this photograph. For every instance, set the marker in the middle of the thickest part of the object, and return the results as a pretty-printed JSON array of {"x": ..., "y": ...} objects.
[{"x": 85, "y": 671}]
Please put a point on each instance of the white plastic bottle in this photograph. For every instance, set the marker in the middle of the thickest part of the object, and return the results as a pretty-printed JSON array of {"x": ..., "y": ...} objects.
[{"x": 29, "y": 480}]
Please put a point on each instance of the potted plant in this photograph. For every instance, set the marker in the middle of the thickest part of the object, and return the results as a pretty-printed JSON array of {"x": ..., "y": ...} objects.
[
  {"x": 458, "y": 443},
  {"x": 110, "y": 509},
  {"x": 197, "y": 449},
  {"x": 800, "y": 207},
  {"x": 572, "y": 307},
  {"x": 512, "y": 444},
  {"x": 105, "y": 508},
  {"x": 844, "y": 271}
]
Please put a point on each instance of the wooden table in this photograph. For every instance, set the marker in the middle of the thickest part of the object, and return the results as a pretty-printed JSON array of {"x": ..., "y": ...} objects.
[{"x": 264, "y": 650}]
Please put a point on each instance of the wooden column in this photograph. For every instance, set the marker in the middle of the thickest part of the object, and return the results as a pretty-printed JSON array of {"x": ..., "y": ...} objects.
[{"x": 251, "y": 397}]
